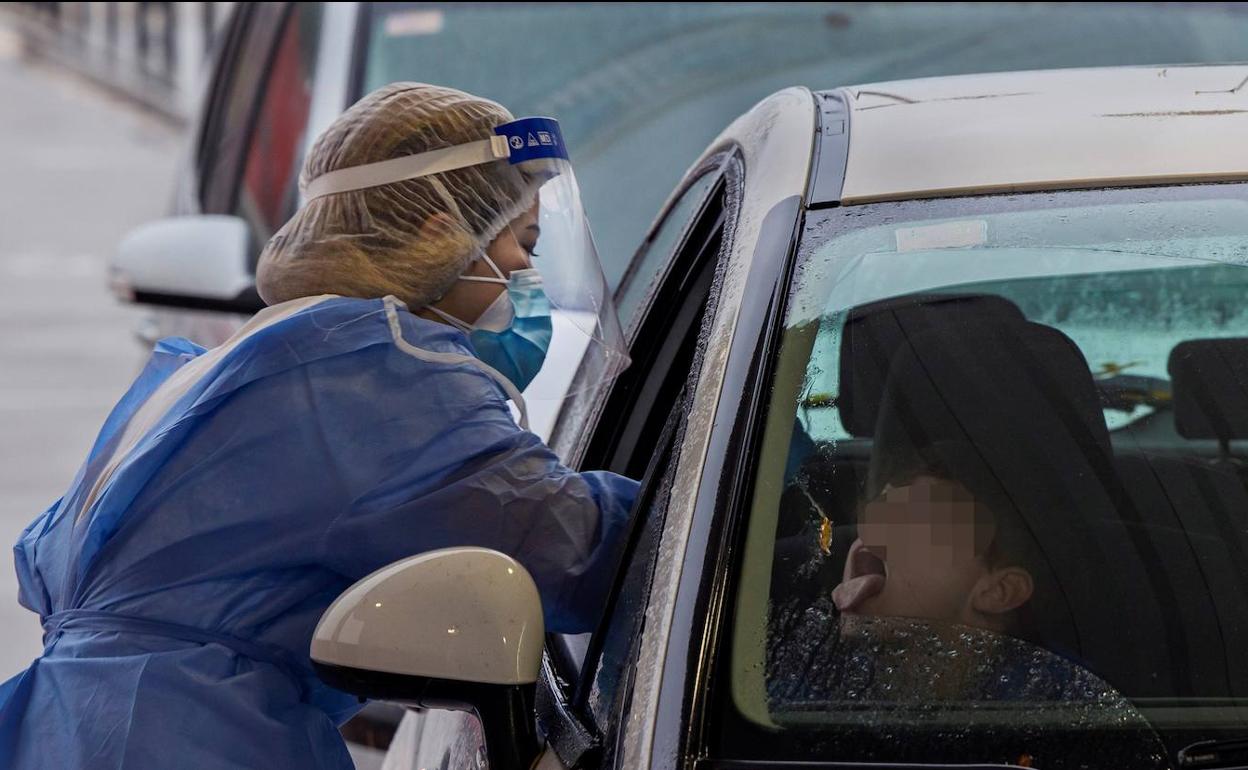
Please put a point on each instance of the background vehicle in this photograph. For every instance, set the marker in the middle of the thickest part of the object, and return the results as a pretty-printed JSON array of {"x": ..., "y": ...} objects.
[
  {"x": 1107, "y": 205},
  {"x": 639, "y": 89}
]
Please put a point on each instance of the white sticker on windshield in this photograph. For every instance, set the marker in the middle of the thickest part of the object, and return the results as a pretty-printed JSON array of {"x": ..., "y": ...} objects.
[
  {"x": 946, "y": 235},
  {"x": 411, "y": 23}
]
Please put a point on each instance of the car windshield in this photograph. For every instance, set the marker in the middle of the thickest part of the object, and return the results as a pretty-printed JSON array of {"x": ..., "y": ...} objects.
[
  {"x": 1000, "y": 512},
  {"x": 642, "y": 88}
]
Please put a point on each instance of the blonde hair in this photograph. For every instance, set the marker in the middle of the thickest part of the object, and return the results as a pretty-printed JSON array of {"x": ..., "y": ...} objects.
[{"x": 375, "y": 242}]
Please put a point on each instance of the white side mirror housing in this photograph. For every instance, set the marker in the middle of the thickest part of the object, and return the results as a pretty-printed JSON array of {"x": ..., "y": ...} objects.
[
  {"x": 463, "y": 614},
  {"x": 459, "y": 628},
  {"x": 197, "y": 262}
]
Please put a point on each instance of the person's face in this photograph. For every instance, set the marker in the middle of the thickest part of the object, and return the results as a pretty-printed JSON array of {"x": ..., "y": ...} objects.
[
  {"x": 919, "y": 555},
  {"x": 511, "y": 250}
]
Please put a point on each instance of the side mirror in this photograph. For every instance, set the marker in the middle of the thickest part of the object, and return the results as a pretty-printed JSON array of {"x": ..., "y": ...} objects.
[
  {"x": 197, "y": 262},
  {"x": 459, "y": 628}
]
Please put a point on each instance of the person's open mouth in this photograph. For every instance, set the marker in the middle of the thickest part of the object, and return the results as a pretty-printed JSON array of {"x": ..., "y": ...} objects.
[{"x": 863, "y": 578}]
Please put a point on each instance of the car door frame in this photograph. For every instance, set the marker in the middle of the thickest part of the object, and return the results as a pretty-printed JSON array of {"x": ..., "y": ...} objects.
[
  {"x": 664, "y": 727},
  {"x": 645, "y": 404}
]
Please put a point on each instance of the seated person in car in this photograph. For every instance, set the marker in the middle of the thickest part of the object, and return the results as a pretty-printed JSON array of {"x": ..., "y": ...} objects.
[
  {"x": 931, "y": 547},
  {"x": 983, "y": 527},
  {"x": 939, "y": 605},
  {"x": 990, "y": 459}
]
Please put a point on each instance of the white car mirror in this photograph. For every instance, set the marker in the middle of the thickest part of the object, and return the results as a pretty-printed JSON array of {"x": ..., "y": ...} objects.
[
  {"x": 459, "y": 628},
  {"x": 196, "y": 262}
]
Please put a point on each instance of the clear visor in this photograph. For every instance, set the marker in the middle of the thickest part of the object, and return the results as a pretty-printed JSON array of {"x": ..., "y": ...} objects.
[
  {"x": 584, "y": 347},
  {"x": 587, "y": 349}
]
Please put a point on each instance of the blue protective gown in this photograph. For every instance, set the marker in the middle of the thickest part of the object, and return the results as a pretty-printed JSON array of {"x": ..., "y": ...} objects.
[{"x": 179, "y": 606}]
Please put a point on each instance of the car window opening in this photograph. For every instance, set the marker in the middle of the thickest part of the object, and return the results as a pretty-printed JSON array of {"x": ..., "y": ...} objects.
[{"x": 1011, "y": 508}]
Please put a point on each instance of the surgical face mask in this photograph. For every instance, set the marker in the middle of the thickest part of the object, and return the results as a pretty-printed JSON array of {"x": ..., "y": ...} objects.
[{"x": 513, "y": 334}]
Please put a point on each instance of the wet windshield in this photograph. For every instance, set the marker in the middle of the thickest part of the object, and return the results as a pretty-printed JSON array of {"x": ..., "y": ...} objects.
[{"x": 1000, "y": 512}]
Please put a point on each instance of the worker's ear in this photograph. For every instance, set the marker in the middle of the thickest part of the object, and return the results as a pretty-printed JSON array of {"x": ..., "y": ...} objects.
[{"x": 1002, "y": 590}]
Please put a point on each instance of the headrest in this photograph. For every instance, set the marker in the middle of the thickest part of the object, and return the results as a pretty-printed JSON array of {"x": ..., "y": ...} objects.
[
  {"x": 1017, "y": 399},
  {"x": 873, "y": 333},
  {"x": 1209, "y": 379}
]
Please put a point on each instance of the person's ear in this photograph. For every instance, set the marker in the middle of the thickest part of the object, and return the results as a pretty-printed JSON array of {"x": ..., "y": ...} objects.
[{"x": 1002, "y": 590}]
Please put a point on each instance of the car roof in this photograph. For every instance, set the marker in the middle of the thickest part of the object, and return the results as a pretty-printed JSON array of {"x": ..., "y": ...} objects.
[{"x": 1045, "y": 130}]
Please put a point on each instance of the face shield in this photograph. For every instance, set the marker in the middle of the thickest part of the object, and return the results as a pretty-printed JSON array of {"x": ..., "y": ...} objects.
[{"x": 561, "y": 335}]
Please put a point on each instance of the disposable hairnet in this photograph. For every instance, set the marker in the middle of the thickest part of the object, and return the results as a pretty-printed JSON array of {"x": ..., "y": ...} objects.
[{"x": 381, "y": 240}]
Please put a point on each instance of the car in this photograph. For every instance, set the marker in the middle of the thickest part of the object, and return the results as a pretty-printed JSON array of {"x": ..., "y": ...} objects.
[{"x": 1047, "y": 267}]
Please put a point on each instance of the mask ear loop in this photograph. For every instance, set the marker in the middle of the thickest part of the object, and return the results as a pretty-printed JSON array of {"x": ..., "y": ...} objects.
[
  {"x": 485, "y": 279},
  {"x": 463, "y": 326}
]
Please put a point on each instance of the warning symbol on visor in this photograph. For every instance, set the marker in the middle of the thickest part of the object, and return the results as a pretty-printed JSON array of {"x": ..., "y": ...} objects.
[{"x": 532, "y": 138}]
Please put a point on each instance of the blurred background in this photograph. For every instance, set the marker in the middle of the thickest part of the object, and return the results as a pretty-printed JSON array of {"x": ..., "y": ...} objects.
[
  {"x": 113, "y": 115},
  {"x": 96, "y": 102}
]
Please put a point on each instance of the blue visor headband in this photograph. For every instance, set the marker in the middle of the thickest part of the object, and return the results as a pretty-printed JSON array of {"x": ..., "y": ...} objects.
[{"x": 530, "y": 143}]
